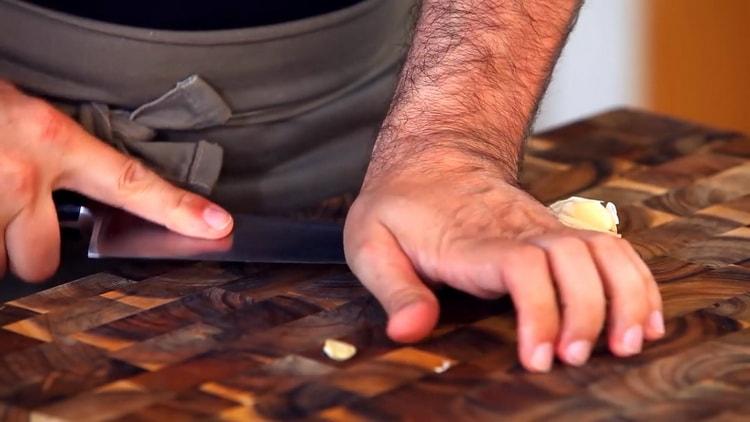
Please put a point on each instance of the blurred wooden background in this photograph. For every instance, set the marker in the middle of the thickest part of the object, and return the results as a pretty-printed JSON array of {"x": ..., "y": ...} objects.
[
  {"x": 687, "y": 58},
  {"x": 698, "y": 60}
]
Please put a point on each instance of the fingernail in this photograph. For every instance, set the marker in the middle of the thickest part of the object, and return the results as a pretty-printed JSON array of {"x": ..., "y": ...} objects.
[
  {"x": 632, "y": 341},
  {"x": 656, "y": 322},
  {"x": 578, "y": 352},
  {"x": 216, "y": 217},
  {"x": 541, "y": 359}
]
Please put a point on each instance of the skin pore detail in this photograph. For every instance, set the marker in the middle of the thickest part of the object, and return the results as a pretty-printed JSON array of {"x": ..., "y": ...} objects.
[{"x": 472, "y": 81}]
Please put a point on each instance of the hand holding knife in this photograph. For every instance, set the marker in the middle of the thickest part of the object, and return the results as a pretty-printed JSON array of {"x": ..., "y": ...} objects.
[{"x": 118, "y": 234}]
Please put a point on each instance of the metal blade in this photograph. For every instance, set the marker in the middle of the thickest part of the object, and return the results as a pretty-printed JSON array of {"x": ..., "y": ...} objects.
[{"x": 117, "y": 234}]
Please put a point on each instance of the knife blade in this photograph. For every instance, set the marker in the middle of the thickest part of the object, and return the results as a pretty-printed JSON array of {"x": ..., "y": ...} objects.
[{"x": 118, "y": 234}]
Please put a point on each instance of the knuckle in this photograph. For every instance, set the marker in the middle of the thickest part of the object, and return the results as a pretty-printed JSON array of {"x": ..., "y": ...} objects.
[
  {"x": 402, "y": 296},
  {"x": 525, "y": 252},
  {"x": 133, "y": 178},
  {"x": 631, "y": 300},
  {"x": 629, "y": 288},
  {"x": 364, "y": 253},
  {"x": 587, "y": 315},
  {"x": 545, "y": 327},
  {"x": 360, "y": 211},
  {"x": 604, "y": 242},
  {"x": 21, "y": 180},
  {"x": 354, "y": 219},
  {"x": 178, "y": 200},
  {"x": 47, "y": 124},
  {"x": 182, "y": 199},
  {"x": 569, "y": 243},
  {"x": 585, "y": 306}
]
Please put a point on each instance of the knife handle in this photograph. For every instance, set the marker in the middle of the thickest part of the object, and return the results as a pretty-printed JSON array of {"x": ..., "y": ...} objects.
[
  {"x": 72, "y": 210},
  {"x": 70, "y": 215}
]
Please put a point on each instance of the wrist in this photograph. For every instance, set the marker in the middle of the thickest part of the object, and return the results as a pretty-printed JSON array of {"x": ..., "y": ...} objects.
[
  {"x": 446, "y": 137},
  {"x": 443, "y": 156}
]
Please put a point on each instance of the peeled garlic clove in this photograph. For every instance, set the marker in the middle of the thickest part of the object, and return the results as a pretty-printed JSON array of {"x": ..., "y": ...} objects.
[
  {"x": 338, "y": 350},
  {"x": 587, "y": 214}
]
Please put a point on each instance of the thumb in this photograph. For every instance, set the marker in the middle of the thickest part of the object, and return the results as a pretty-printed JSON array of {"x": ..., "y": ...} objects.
[
  {"x": 376, "y": 258},
  {"x": 98, "y": 171}
]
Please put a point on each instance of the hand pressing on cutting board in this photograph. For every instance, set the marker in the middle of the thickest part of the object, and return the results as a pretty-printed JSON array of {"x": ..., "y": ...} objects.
[
  {"x": 42, "y": 150},
  {"x": 467, "y": 227},
  {"x": 440, "y": 204}
]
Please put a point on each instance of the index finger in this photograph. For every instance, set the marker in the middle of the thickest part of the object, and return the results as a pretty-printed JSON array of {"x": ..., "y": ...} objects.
[{"x": 97, "y": 170}]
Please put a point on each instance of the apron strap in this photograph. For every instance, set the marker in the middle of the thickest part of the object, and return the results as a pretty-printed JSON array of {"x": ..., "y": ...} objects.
[{"x": 191, "y": 105}]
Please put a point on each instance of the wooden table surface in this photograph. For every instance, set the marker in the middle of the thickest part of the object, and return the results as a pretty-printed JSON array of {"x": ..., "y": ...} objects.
[{"x": 208, "y": 341}]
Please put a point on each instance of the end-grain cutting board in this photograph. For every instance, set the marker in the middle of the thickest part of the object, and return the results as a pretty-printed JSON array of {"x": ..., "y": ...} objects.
[{"x": 235, "y": 342}]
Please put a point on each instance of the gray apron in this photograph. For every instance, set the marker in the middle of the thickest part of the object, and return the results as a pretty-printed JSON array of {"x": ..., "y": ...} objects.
[{"x": 270, "y": 118}]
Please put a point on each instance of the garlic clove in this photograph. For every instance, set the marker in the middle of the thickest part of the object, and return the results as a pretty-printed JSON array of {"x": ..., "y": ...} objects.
[
  {"x": 338, "y": 350},
  {"x": 586, "y": 214}
]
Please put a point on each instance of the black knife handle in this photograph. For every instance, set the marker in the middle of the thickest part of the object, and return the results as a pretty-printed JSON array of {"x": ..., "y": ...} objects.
[
  {"x": 69, "y": 214},
  {"x": 73, "y": 210}
]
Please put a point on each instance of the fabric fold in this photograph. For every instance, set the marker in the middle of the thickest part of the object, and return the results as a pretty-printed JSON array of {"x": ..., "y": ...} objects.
[
  {"x": 192, "y": 104},
  {"x": 306, "y": 97}
]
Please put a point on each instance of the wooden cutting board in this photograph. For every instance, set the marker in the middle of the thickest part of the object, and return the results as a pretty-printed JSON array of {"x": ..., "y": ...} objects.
[{"x": 205, "y": 341}]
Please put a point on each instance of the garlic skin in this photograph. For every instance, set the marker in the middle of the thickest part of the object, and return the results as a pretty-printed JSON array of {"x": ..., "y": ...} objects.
[
  {"x": 446, "y": 365},
  {"x": 338, "y": 350},
  {"x": 587, "y": 214}
]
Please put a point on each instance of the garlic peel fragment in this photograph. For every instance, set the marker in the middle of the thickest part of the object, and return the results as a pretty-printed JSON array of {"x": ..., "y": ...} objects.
[
  {"x": 338, "y": 350},
  {"x": 587, "y": 214},
  {"x": 613, "y": 211},
  {"x": 444, "y": 366}
]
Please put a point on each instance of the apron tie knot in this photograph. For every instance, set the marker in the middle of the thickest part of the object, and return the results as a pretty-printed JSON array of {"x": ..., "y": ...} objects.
[{"x": 191, "y": 105}]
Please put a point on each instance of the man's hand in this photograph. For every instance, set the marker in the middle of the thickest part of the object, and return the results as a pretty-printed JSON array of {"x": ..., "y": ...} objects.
[
  {"x": 467, "y": 228},
  {"x": 42, "y": 150},
  {"x": 439, "y": 203}
]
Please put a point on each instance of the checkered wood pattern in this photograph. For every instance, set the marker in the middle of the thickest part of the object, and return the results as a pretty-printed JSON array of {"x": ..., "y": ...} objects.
[{"x": 237, "y": 342}]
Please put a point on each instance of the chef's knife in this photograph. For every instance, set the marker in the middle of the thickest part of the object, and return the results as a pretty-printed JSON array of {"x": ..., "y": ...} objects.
[{"x": 117, "y": 234}]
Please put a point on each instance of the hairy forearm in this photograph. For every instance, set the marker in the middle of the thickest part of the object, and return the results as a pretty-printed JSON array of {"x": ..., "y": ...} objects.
[{"x": 472, "y": 81}]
